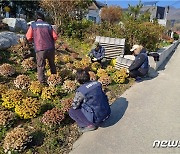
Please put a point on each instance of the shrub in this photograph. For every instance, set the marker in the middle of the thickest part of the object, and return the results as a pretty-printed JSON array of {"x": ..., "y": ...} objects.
[
  {"x": 92, "y": 75},
  {"x": 78, "y": 29},
  {"x": 176, "y": 36},
  {"x": 3, "y": 89},
  {"x": 124, "y": 72},
  {"x": 119, "y": 76},
  {"x": 16, "y": 140},
  {"x": 12, "y": 98},
  {"x": 95, "y": 66},
  {"x": 54, "y": 79},
  {"x": 65, "y": 74},
  {"x": 6, "y": 118},
  {"x": 69, "y": 86},
  {"x": 105, "y": 80},
  {"x": 149, "y": 35},
  {"x": 53, "y": 117},
  {"x": 66, "y": 104},
  {"x": 7, "y": 70},
  {"x": 108, "y": 30},
  {"x": 166, "y": 37},
  {"x": 66, "y": 59},
  {"x": 48, "y": 93},
  {"x": 69, "y": 66},
  {"x": 62, "y": 17},
  {"x": 111, "y": 14},
  {"x": 47, "y": 64},
  {"x": 113, "y": 62},
  {"x": 35, "y": 87},
  {"x": 85, "y": 63},
  {"x": 74, "y": 55},
  {"x": 77, "y": 64},
  {"x": 101, "y": 72},
  {"x": 57, "y": 59},
  {"x": 29, "y": 64},
  {"x": 110, "y": 70},
  {"x": 48, "y": 72},
  {"x": 28, "y": 109},
  {"x": 22, "y": 82}
]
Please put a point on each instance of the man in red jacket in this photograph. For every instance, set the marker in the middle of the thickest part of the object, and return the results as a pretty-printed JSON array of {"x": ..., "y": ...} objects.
[{"x": 44, "y": 37}]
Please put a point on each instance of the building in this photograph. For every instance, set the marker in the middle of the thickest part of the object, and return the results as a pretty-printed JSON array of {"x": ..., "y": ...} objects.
[
  {"x": 157, "y": 12},
  {"x": 95, "y": 11}
]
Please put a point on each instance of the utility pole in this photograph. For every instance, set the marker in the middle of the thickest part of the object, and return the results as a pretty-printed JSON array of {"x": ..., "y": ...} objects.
[{"x": 167, "y": 11}]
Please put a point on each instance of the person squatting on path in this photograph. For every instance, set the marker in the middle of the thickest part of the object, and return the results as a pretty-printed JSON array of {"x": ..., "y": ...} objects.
[
  {"x": 44, "y": 38},
  {"x": 97, "y": 54},
  {"x": 90, "y": 106},
  {"x": 140, "y": 66}
]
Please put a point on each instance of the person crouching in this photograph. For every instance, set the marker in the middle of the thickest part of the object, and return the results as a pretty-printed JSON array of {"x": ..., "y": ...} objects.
[
  {"x": 90, "y": 106},
  {"x": 97, "y": 54},
  {"x": 140, "y": 66}
]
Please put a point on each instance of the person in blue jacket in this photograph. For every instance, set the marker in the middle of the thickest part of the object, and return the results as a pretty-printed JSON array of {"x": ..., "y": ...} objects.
[
  {"x": 97, "y": 54},
  {"x": 90, "y": 106},
  {"x": 140, "y": 66}
]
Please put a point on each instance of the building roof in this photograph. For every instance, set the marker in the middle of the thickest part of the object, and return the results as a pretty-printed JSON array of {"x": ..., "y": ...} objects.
[
  {"x": 150, "y": 3},
  {"x": 97, "y": 5}
]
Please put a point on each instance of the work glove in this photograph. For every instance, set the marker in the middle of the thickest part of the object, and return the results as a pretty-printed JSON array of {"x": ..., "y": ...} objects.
[{"x": 94, "y": 59}]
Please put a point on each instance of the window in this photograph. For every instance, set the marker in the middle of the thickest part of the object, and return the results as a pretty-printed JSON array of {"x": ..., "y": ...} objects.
[{"x": 92, "y": 18}]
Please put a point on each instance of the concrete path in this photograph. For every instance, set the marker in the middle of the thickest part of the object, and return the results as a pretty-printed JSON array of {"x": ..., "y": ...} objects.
[{"x": 148, "y": 111}]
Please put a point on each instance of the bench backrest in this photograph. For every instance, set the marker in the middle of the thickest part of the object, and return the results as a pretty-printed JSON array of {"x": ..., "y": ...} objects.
[
  {"x": 113, "y": 46},
  {"x": 122, "y": 62}
]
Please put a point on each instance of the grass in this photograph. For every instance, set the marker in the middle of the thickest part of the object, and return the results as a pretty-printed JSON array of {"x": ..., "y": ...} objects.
[{"x": 80, "y": 47}]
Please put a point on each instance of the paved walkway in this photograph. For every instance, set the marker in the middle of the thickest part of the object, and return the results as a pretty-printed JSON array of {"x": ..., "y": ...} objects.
[{"x": 148, "y": 111}]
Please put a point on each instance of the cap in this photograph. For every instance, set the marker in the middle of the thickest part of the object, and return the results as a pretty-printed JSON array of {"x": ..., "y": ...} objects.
[{"x": 134, "y": 47}]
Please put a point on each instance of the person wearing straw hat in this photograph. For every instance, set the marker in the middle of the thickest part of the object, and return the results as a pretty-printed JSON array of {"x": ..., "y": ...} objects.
[
  {"x": 97, "y": 53},
  {"x": 140, "y": 66}
]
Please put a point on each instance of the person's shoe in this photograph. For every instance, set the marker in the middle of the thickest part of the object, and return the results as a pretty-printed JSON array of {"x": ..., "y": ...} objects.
[
  {"x": 138, "y": 79},
  {"x": 88, "y": 128}
]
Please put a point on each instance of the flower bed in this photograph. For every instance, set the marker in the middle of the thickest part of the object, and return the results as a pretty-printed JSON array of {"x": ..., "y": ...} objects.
[{"x": 41, "y": 112}]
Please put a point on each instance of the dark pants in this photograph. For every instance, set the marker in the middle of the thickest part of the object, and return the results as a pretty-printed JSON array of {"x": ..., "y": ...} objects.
[
  {"x": 135, "y": 73},
  {"x": 99, "y": 61},
  {"x": 41, "y": 57},
  {"x": 79, "y": 117}
]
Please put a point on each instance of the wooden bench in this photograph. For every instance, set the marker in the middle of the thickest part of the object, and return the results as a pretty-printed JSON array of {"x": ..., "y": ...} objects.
[
  {"x": 122, "y": 62},
  {"x": 114, "y": 47}
]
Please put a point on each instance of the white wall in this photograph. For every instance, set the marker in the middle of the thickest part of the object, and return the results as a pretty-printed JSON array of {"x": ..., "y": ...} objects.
[
  {"x": 94, "y": 13},
  {"x": 162, "y": 22}
]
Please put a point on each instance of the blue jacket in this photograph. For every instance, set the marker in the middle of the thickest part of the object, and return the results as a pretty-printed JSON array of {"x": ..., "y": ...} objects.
[
  {"x": 95, "y": 106},
  {"x": 98, "y": 54},
  {"x": 141, "y": 63}
]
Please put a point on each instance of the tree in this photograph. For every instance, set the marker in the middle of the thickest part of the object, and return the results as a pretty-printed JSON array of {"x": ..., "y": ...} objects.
[
  {"x": 111, "y": 14},
  {"x": 63, "y": 11},
  {"x": 139, "y": 30},
  {"x": 135, "y": 10},
  {"x": 27, "y": 7}
]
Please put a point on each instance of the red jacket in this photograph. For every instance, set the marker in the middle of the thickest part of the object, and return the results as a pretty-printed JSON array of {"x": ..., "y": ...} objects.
[{"x": 43, "y": 35}]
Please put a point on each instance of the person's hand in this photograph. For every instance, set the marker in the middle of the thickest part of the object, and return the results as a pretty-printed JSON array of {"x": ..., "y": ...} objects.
[
  {"x": 127, "y": 71},
  {"x": 94, "y": 59}
]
